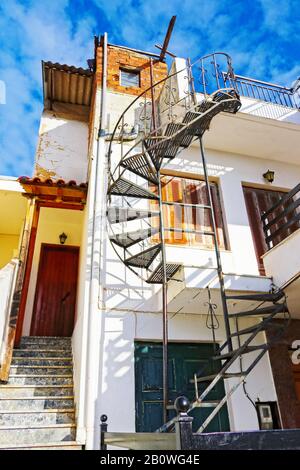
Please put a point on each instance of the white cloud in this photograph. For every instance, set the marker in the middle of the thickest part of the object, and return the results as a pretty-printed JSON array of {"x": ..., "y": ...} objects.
[{"x": 31, "y": 33}]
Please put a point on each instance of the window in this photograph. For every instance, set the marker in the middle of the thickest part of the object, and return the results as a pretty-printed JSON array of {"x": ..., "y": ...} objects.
[
  {"x": 129, "y": 78},
  {"x": 182, "y": 198}
]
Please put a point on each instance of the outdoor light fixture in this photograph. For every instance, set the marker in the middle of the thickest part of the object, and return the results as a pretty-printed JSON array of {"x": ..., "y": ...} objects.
[
  {"x": 269, "y": 176},
  {"x": 62, "y": 238}
]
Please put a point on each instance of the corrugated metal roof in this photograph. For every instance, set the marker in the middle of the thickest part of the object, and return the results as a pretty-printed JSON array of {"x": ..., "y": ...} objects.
[{"x": 67, "y": 84}]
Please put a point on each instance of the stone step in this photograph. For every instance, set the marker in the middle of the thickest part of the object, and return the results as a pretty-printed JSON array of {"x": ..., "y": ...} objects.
[
  {"x": 30, "y": 418},
  {"x": 37, "y": 403},
  {"x": 46, "y": 353},
  {"x": 35, "y": 361},
  {"x": 65, "y": 445},
  {"x": 54, "y": 342},
  {"x": 15, "y": 391},
  {"x": 40, "y": 370},
  {"x": 37, "y": 434},
  {"x": 40, "y": 379}
]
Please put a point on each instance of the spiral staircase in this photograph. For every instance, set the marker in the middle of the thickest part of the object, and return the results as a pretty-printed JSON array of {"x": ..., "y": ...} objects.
[{"x": 169, "y": 125}]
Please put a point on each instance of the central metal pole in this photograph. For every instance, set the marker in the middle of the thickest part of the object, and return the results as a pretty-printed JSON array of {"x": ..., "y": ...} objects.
[
  {"x": 164, "y": 303},
  {"x": 217, "y": 252}
]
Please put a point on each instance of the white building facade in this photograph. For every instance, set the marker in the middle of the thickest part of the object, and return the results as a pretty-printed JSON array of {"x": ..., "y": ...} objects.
[{"x": 102, "y": 301}]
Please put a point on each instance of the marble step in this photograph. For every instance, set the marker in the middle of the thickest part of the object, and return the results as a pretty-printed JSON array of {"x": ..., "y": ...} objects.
[
  {"x": 42, "y": 361},
  {"x": 14, "y": 391},
  {"x": 40, "y": 370},
  {"x": 37, "y": 434},
  {"x": 30, "y": 418},
  {"x": 37, "y": 403},
  {"x": 49, "y": 380},
  {"x": 42, "y": 353},
  {"x": 65, "y": 445},
  {"x": 54, "y": 342}
]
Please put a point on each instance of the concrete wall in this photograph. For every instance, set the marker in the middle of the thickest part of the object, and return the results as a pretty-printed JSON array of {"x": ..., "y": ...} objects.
[
  {"x": 52, "y": 222},
  {"x": 62, "y": 149}
]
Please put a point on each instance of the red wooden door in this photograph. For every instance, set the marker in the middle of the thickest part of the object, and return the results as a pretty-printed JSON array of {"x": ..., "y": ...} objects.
[{"x": 55, "y": 294}]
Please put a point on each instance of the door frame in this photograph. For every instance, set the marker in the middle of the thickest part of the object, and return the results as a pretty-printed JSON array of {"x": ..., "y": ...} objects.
[
  {"x": 29, "y": 258},
  {"x": 63, "y": 248}
]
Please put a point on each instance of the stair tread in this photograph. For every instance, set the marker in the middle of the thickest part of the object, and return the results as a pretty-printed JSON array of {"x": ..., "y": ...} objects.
[
  {"x": 39, "y": 426},
  {"x": 208, "y": 378},
  {"x": 41, "y": 445},
  {"x": 245, "y": 351},
  {"x": 48, "y": 410},
  {"x": 124, "y": 214},
  {"x": 124, "y": 187},
  {"x": 156, "y": 276},
  {"x": 69, "y": 376},
  {"x": 6, "y": 386},
  {"x": 145, "y": 258},
  {"x": 264, "y": 297},
  {"x": 127, "y": 239},
  {"x": 37, "y": 397},
  {"x": 279, "y": 308}
]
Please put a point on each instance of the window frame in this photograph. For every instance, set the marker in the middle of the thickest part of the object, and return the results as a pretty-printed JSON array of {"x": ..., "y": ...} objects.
[
  {"x": 189, "y": 243},
  {"x": 129, "y": 70}
]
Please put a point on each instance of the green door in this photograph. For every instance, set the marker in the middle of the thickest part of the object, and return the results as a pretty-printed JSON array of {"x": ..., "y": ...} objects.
[{"x": 185, "y": 359}]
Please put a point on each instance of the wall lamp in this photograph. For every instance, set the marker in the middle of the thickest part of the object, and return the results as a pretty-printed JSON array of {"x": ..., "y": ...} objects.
[
  {"x": 62, "y": 238},
  {"x": 269, "y": 176}
]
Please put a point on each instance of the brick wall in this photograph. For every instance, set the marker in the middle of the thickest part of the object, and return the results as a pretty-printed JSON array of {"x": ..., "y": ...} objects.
[{"x": 122, "y": 58}]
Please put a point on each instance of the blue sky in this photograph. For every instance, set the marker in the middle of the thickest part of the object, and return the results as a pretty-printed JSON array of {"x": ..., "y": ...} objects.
[{"x": 262, "y": 36}]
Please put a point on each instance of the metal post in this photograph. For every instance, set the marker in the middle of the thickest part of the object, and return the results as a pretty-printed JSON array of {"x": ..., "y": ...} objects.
[
  {"x": 154, "y": 124},
  {"x": 164, "y": 303},
  {"x": 103, "y": 430},
  {"x": 217, "y": 252},
  {"x": 183, "y": 425}
]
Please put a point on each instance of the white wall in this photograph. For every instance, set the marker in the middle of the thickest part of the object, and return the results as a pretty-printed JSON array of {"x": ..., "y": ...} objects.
[
  {"x": 116, "y": 396},
  {"x": 62, "y": 148},
  {"x": 286, "y": 255},
  {"x": 52, "y": 222}
]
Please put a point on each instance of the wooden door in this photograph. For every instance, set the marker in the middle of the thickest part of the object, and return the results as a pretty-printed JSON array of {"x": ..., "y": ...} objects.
[
  {"x": 257, "y": 202},
  {"x": 184, "y": 360},
  {"x": 55, "y": 294}
]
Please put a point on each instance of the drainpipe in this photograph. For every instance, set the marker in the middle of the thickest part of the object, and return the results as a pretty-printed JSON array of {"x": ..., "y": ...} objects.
[{"x": 97, "y": 227}]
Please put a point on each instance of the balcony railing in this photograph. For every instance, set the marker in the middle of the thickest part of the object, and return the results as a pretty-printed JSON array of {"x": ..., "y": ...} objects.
[
  {"x": 216, "y": 71},
  {"x": 269, "y": 92},
  {"x": 283, "y": 218}
]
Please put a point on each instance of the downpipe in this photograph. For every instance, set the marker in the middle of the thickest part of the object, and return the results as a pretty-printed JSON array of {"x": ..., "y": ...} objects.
[{"x": 93, "y": 364}]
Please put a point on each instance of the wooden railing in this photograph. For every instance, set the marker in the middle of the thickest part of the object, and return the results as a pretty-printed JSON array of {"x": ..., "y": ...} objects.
[{"x": 283, "y": 218}]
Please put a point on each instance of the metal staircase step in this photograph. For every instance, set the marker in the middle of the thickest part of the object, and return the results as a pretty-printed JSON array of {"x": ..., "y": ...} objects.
[
  {"x": 268, "y": 297},
  {"x": 144, "y": 258},
  {"x": 124, "y": 214},
  {"x": 209, "y": 378},
  {"x": 275, "y": 308},
  {"x": 247, "y": 350},
  {"x": 123, "y": 187},
  {"x": 161, "y": 147},
  {"x": 157, "y": 275},
  {"x": 125, "y": 240},
  {"x": 207, "y": 404},
  {"x": 140, "y": 165}
]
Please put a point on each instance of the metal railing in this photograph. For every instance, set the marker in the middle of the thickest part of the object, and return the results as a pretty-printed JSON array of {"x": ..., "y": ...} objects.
[
  {"x": 264, "y": 91},
  {"x": 283, "y": 218}
]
